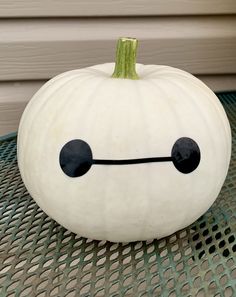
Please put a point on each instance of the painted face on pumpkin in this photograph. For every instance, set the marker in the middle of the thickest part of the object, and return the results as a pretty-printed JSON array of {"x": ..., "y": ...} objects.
[{"x": 76, "y": 157}]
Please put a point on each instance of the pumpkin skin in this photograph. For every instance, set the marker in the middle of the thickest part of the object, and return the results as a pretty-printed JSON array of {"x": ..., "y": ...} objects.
[{"x": 124, "y": 119}]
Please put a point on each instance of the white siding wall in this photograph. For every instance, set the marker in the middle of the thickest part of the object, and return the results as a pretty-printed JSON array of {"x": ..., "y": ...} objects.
[{"x": 39, "y": 39}]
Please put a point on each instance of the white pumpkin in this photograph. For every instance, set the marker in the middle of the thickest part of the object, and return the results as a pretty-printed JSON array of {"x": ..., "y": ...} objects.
[{"x": 124, "y": 158}]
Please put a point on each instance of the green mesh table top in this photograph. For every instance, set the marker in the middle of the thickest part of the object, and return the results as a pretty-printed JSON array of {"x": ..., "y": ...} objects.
[{"x": 40, "y": 258}]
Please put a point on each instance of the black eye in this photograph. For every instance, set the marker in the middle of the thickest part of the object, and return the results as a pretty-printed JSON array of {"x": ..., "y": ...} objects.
[
  {"x": 76, "y": 158},
  {"x": 185, "y": 155}
]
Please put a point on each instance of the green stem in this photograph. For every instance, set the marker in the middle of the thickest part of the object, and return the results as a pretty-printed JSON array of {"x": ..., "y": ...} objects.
[{"x": 126, "y": 58}]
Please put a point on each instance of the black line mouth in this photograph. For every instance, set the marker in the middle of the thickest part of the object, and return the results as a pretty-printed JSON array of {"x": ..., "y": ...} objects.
[{"x": 132, "y": 161}]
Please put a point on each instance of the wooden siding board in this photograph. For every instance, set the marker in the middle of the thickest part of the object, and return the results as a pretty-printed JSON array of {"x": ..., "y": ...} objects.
[
  {"x": 47, "y": 8},
  {"x": 40, "y": 49}
]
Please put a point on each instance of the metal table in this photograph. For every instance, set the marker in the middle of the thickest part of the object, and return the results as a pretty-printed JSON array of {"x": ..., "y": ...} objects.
[{"x": 40, "y": 258}]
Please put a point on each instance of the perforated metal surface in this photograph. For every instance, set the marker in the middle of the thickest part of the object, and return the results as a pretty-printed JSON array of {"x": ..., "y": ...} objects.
[{"x": 40, "y": 258}]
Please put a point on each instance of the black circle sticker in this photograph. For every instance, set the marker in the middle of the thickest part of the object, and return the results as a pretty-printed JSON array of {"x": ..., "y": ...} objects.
[
  {"x": 76, "y": 158},
  {"x": 185, "y": 155}
]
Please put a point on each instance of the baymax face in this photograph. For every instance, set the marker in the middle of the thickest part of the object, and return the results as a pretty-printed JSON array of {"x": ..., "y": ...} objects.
[{"x": 76, "y": 157}]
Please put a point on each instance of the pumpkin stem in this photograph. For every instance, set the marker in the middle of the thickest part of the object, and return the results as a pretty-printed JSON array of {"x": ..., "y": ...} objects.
[{"x": 126, "y": 58}]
